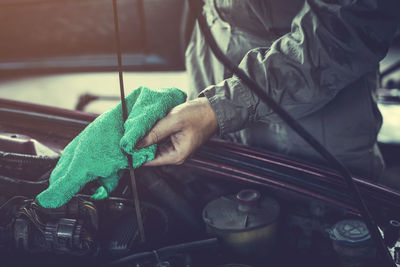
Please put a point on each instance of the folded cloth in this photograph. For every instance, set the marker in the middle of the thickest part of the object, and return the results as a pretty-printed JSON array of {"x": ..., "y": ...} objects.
[{"x": 98, "y": 151}]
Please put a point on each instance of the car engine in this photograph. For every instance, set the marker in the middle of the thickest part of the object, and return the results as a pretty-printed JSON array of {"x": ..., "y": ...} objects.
[{"x": 190, "y": 220}]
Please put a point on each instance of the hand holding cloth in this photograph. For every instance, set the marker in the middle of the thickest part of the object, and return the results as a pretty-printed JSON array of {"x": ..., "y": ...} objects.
[{"x": 98, "y": 151}]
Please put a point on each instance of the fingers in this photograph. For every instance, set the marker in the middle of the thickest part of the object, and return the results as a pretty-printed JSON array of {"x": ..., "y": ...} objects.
[
  {"x": 167, "y": 154},
  {"x": 162, "y": 129},
  {"x": 188, "y": 126}
]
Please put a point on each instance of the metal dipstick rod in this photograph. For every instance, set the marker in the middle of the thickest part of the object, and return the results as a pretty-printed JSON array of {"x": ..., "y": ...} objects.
[{"x": 125, "y": 116}]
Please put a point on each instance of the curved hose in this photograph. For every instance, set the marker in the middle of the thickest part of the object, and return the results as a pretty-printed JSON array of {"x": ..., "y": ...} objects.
[
  {"x": 167, "y": 251},
  {"x": 24, "y": 159},
  {"x": 163, "y": 191},
  {"x": 15, "y": 186},
  {"x": 16, "y": 164}
]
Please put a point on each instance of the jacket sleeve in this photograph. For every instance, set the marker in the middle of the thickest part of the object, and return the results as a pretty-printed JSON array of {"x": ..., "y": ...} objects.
[{"x": 332, "y": 43}]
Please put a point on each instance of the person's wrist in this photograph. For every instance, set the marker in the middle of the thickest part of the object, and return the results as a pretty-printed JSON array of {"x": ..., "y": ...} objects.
[{"x": 209, "y": 115}]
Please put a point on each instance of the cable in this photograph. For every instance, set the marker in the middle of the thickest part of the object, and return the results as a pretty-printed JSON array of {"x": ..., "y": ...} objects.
[
  {"x": 196, "y": 8},
  {"x": 21, "y": 182},
  {"x": 11, "y": 200},
  {"x": 17, "y": 161}
]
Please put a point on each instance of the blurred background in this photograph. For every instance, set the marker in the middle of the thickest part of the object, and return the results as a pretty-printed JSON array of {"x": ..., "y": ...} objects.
[
  {"x": 62, "y": 51},
  {"x": 80, "y": 33}
]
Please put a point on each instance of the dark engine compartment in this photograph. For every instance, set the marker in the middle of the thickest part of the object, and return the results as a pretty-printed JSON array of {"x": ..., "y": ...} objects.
[{"x": 173, "y": 201}]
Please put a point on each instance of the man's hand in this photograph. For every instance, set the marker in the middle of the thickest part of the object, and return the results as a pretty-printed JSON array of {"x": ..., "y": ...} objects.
[{"x": 181, "y": 132}]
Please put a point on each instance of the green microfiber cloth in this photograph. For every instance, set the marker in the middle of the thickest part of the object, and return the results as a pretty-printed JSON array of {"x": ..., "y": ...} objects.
[{"x": 98, "y": 151}]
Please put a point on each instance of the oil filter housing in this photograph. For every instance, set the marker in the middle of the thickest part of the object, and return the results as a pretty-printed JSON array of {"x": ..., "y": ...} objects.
[{"x": 245, "y": 223}]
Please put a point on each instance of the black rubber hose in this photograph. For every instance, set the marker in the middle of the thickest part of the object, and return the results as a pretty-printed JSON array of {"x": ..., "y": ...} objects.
[
  {"x": 196, "y": 8},
  {"x": 13, "y": 186},
  {"x": 28, "y": 167},
  {"x": 168, "y": 251},
  {"x": 16, "y": 181},
  {"x": 163, "y": 191},
  {"x": 22, "y": 161}
]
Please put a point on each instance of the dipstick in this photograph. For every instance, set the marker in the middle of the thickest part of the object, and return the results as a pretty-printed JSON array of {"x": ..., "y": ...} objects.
[{"x": 125, "y": 116}]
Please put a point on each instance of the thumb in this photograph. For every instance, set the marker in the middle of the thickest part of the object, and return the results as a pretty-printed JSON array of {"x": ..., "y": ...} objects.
[{"x": 162, "y": 129}]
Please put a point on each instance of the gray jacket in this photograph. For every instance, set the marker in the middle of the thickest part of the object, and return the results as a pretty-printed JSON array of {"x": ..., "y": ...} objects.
[{"x": 317, "y": 58}]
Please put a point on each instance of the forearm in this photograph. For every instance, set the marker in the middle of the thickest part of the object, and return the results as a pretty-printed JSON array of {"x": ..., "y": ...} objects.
[{"x": 329, "y": 47}]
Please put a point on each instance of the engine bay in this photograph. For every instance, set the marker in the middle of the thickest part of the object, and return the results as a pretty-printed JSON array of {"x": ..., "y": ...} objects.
[
  {"x": 191, "y": 219},
  {"x": 83, "y": 232}
]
